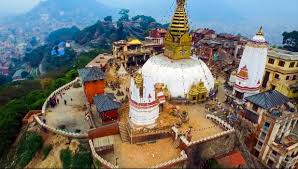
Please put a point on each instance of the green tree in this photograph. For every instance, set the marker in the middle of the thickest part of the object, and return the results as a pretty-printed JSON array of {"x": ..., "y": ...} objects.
[
  {"x": 66, "y": 158},
  {"x": 28, "y": 147},
  {"x": 108, "y": 19},
  {"x": 124, "y": 15},
  {"x": 290, "y": 41}
]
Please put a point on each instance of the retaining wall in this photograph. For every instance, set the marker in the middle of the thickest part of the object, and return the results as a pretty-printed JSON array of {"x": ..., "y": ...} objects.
[
  {"x": 58, "y": 131},
  {"x": 103, "y": 162},
  {"x": 173, "y": 163}
]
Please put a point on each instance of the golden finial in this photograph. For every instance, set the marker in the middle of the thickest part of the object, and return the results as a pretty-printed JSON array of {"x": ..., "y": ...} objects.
[
  {"x": 181, "y": 2},
  {"x": 261, "y": 31},
  {"x": 178, "y": 41}
]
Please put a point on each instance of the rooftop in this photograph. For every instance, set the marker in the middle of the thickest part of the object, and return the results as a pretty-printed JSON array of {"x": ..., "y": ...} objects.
[
  {"x": 231, "y": 160},
  {"x": 91, "y": 74},
  {"x": 268, "y": 100},
  {"x": 106, "y": 102},
  {"x": 283, "y": 54},
  {"x": 100, "y": 61}
]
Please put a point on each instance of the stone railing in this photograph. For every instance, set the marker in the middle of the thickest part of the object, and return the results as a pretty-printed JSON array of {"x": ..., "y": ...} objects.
[
  {"x": 217, "y": 120},
  {"x": 59, "y": 131},
  {"x": 172, "y": 163},
  {"x": 68, "y": 85},
  {"x": 102, "y": 161}
]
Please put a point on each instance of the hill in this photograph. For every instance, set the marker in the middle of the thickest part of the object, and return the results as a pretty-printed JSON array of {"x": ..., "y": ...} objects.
[{"x": 63, "y": 12}]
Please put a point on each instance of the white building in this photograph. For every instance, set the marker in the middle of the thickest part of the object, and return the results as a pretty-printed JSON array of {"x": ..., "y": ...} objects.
[{"x": 252, "y": 67}]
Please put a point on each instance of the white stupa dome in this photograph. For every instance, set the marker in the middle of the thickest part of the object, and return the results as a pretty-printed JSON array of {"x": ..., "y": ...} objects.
[
  {"x": 177, "y": 75},
  {"x": 259, "y": 38}
]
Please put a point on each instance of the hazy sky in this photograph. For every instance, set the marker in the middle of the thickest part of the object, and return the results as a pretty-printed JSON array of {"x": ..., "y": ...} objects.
[
  {"x": 16, "y": 6},
  {"x": 286, "y": 6}
]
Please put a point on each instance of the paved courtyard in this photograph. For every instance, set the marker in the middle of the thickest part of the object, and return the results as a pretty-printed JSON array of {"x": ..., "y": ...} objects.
[
  {"x": 71, "y": 115},
  {"x": 143, "y": 155}
]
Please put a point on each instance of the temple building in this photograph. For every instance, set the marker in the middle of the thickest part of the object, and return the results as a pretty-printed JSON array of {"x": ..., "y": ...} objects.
[
  {"x": 272, "y": 120},
  {"x": 282, "y": 72},
  {"x": 155, "y": 40},
  {"x": 175, "y": 75},
  {"x": 131, "y": 52},
  {"x": 252, "y": 67},
  {"x": 93, "y": 81}
]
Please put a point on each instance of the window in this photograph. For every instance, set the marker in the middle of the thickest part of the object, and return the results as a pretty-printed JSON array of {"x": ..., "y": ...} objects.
[
  {"x": 288, "y": 77},
  {"x": 276, "y": 76},
  {"x": 274, "y": 153},
  {"x": 281, "y": 63},
  {"x": 271, "y": 61},
  {"x": 263, "y": 136},
  {"x": 255, "y": 107},
  {"x": 266, "y": 126},
  {"x": 297, "y": 64},
  {"x": 294, "y": 77},
  {"x": 260, "y": 143},
  {"x": 270, "y": 163},
  {"x": 292, "y": 64}
]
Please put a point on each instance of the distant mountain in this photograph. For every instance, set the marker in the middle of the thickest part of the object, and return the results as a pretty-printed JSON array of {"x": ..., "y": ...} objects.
[
  {"x": 79, "y": 12},
  {"x": 51, "y": 15}
]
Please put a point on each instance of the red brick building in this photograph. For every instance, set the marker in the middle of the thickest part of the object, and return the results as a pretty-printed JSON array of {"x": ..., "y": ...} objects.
[{"x": 93, "y": 82}]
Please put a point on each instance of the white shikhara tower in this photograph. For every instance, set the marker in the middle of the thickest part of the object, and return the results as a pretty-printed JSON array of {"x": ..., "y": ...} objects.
[{"x": 252, "y": 67}]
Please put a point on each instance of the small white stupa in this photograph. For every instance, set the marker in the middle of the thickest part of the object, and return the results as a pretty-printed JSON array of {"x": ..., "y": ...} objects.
[{"x": 252, "y": 67}]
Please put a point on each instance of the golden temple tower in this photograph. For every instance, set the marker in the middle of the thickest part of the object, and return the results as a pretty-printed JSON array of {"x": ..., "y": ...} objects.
[{"x": 178, "y": 41}]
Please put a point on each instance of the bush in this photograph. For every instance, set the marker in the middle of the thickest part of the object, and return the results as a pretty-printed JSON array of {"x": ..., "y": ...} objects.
[
  {"x": 27, "y": 148},
  {"x": 46, "y": 151},
  {"x": 66, "y": 158},
  {"x": 81, "y": 160}
]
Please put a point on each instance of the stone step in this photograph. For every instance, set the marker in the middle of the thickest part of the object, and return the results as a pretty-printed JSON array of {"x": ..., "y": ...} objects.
[{"x": 123, "y": 133}]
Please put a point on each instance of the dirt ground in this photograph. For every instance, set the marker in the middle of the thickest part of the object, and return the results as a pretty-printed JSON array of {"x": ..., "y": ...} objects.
[
  {"x": 71, "y": 115},
  {"x": 144, "y": 155}
]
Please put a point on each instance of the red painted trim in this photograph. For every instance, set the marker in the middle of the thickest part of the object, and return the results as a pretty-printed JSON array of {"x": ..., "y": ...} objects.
[
  {"x": 247, "y": 88},
  {"x": 243, "y": 78},
  {"x": 143, "y": 105}
]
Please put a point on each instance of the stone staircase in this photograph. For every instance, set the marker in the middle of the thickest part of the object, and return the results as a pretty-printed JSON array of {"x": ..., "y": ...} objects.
[{"x": 123, "y": 132}]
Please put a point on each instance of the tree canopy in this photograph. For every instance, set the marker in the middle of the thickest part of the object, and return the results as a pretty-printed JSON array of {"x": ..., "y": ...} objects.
[{"x": 290, "y": 41}]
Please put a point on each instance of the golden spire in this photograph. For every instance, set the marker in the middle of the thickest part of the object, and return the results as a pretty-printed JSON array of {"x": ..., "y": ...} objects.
[
  {"x": 260, "y": 32},
  {"x": 178, "y": 41}
]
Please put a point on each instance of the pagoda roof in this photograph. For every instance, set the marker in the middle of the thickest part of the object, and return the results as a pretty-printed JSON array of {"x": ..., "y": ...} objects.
[
  {"x": 268, "y": 100},
  {"x": 106, "y": 102},
  {"x": 91, "y": 74}
]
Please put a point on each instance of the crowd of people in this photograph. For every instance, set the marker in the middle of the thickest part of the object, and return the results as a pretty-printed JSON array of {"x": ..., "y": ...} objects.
[{"x": 58, "y": 96}]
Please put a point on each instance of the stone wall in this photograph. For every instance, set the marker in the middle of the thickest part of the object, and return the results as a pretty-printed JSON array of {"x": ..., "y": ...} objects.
[
  {"x": 198, "y": 151},
  {"x": 173, "y": 163},
  {"x": 103, "y": 162},
  {"x": 58, "y": 131}
]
